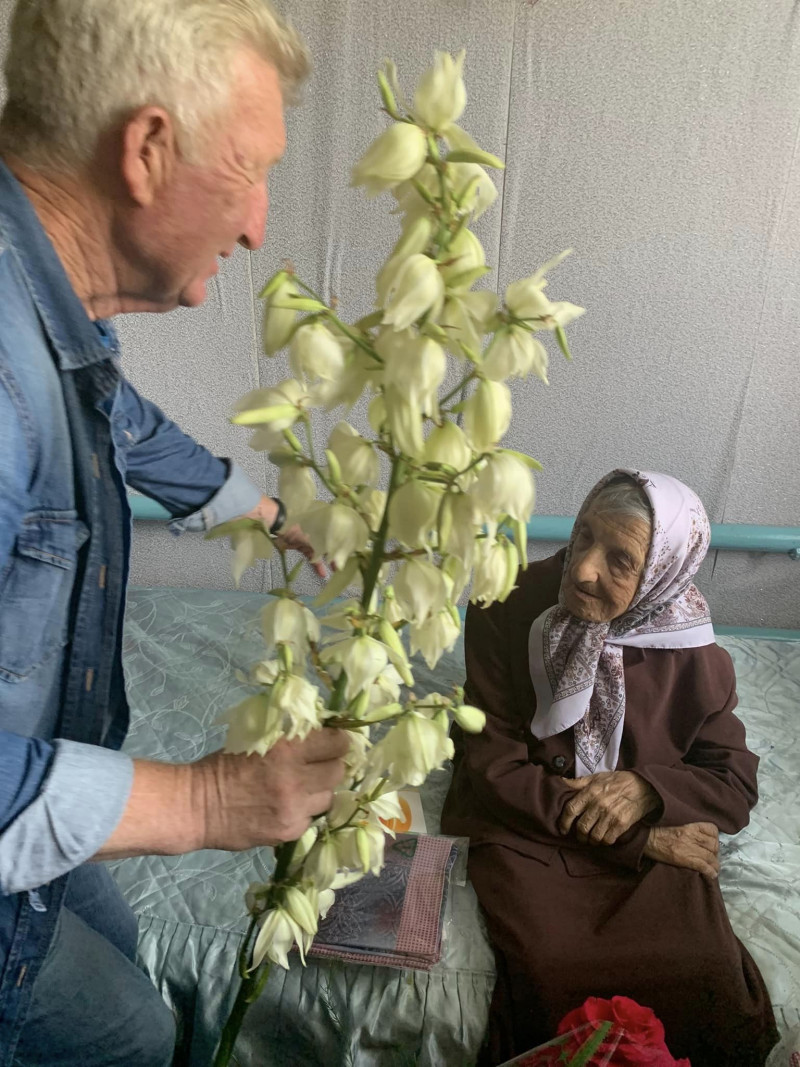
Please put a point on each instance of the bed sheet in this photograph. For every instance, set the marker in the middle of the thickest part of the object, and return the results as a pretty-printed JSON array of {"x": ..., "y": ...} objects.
[{"x": 183, "y": 652}]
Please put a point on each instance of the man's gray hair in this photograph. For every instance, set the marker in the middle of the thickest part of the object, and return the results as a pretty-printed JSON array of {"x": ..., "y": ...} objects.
[
  {"x": 622, "y": 496},
  {"x": 77, "y": 68}
]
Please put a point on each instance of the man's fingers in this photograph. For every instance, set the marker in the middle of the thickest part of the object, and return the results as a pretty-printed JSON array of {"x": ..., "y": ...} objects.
[{"x": 322, "y": 745}]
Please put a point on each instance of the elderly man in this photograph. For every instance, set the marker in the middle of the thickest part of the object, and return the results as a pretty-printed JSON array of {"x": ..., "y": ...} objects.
[{"x": 136, "y": 141}]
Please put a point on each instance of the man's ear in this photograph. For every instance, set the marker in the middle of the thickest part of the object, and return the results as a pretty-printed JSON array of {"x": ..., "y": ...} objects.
[{"x": 149, "y": 153}]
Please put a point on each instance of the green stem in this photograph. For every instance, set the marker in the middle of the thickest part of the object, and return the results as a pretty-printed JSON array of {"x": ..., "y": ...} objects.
[
  {"x": 338, "y": 322},
  {"x": 376, "y": 560},
  {"x": 461, "y": 386}
]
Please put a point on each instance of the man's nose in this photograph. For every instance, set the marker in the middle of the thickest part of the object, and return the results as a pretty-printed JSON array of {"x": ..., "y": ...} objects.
[{"x": 256, "y": 221}]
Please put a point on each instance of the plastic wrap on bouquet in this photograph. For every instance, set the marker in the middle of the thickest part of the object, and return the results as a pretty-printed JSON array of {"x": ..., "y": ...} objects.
[{"x": 589, "y": 1045}]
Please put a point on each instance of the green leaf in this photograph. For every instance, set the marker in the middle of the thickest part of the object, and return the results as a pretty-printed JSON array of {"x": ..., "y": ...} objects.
[
  {"x": 561, "y": 337},
  {"x": 588, "y": 1048},
  {"x": 293, "y": 573},
  {"x": 486, "y": 159},
  {"x": 334, "y": 469},
  {"x": 302, "y": 303},
  {"x": 275, "y": 281},
  {"x": 427, "y": 196},
  {"x": 337, "y": 583},
  {"x": 269, "y": 414}
]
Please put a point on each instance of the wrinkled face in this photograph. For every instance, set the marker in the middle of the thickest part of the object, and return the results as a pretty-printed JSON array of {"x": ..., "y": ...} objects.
[
  {"x": 606, "y": 564},
  {"x": 201, "y": 211}
]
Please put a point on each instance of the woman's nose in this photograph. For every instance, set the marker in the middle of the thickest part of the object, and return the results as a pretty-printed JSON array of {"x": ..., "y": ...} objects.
[{"x": 586, "y": 568}]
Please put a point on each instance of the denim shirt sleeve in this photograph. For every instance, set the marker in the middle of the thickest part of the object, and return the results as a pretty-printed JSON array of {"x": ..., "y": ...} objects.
[
  {"x": 77, "y": 806},
  {"x": 164, "y": 463}
]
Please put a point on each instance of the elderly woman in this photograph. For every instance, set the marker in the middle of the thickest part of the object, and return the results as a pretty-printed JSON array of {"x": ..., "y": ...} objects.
[{"x": 610, "y": 761}]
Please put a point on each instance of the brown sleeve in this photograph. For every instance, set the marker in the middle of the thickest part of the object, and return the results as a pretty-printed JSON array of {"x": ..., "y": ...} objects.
[
  {"x": 522, "y": 796},
  {"x": 716, "y": 780}
]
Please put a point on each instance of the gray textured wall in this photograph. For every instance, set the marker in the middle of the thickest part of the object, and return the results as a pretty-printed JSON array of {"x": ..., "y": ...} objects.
[{"x": 658, "y": 140}]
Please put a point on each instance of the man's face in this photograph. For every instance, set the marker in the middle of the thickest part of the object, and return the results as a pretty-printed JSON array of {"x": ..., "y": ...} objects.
[
  {"x": 606, "y": 564},
  {"x": 203, "y": 210}
]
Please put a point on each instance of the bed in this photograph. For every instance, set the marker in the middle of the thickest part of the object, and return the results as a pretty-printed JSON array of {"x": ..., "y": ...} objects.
[{"x": 183, "y": 650}]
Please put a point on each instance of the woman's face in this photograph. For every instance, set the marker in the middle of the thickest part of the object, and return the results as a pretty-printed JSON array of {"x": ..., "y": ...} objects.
[{"x": 608, "y": 557}]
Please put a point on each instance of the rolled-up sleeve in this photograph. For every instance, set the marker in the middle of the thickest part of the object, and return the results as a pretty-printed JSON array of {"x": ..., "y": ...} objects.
[
  {"x": 77, "y": 802},
  {"x": 197, "y": 488}
]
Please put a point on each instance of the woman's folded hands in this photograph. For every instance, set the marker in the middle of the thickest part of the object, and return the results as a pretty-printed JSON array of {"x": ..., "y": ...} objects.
[{"x": 606, "y": 805}]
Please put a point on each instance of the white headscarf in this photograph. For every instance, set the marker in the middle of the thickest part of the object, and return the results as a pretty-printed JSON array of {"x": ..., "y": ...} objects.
[{"x": 576, "y": 666}]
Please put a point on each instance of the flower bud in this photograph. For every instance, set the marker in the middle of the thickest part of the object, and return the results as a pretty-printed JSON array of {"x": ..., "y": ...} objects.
[
  {"x": 299, "y": 908},
  {"x": 441, "y": 97},
  {"x": 416, "y": 288},
  {"x": 392, "y": 158},
  {"x": 335, "y": 531},
  {"x": 471, "y": 720},
  {"x": 464, "y": 255},
  {"x": 487, "y": 414}
]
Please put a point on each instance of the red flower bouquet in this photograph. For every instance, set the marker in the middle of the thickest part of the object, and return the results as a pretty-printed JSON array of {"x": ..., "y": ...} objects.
[{"x": 605, "y": 1033}]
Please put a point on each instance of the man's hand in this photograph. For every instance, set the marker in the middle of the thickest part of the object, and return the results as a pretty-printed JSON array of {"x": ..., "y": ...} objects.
[
  {"x": 606, "y": 805},
  {"x": 229, "y": 802},
  {"x": 291, "y": 537},
  {"x": 695, "y": 845}
]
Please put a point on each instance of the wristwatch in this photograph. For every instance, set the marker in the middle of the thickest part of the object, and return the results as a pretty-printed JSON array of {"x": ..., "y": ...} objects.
[{"x": 280, "y": 518}]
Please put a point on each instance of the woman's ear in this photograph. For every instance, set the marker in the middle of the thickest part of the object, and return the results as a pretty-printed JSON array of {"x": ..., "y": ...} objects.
[{"x": 149, "y": 154}]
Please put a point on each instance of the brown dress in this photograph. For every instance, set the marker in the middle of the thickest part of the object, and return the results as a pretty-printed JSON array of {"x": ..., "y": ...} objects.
[{"x": 569, "y": 921}]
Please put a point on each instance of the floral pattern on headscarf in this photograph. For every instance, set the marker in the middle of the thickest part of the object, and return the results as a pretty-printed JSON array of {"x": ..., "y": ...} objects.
[{"x": 576, "y": 666}]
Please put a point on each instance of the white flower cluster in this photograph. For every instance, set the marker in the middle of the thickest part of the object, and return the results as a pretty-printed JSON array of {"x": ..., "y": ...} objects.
[{"x": 409, "y": 515}]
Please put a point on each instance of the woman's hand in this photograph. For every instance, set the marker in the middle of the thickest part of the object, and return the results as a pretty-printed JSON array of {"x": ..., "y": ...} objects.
[
  {"x": 695, "y": 845},
  {"x": 288, "y": 537},
  {"x": 606, "y": 805}
]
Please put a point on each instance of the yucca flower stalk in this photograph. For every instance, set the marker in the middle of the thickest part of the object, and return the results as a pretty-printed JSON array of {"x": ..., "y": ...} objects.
[{"x": 404, "y": 513}]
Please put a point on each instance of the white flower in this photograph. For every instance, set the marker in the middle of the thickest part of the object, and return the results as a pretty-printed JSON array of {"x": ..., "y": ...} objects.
[
  {"x": 465, "y": 254},
  {"x": 322, "y": 862},
  {"x": 315, "y": 353},
  {"x": 411, "y": 750},
  {"x": 441, "y": 97},
  {"x": 413, "y": 511},
  {"x": 356, "y": 758},
  {"x": 361, "y": 658},
  {"x": 373, "y": 505},
  {"x": 285, "y": 621},
  {"x": 496, "y": 567},
  {"x": 416, "y": 288},
  {"x": 420, "y": 589},
  {"x": 251, "y": 726},
  {"x": 275, "y": 938},
  {"x": 434, "y": 636},
  {"x": 326, "y": 901},
  {"x": 266, "y": 672},
  {"x": 404, "y": 420},
  {"x": 335, "y": 531},
  {"x": 248, "y": 546},
  {"x": 298, "y": 704},
  {"x": 345, "y": 804},
  {"x": 386, "y": 688},
  {"x": 392, "y": 611},
  {"x": 505, "y": 486},
  {"x": 414, "y": 369},
  {"x": 360, "y": 369},
  {"x": 279, "y": 317},
  {"x": 448, "y": 445},
  {"x": 459, "y": 521},
  {"x": 465, "y": 319},
  {"x": 357, "y": 458},
  {"x": 392, "y": 158},
  {"x": 387, "y": 807},
  {"x": 297, "y": 489},
  {"x": 301, "y": 909},
  {"x": 526, "y": 300},
  {"x": 459, "y": 570},
  {"x": 275, "y": 410},
  {"x": 487, "y": 414},
  {"x": 370, "y": 843},
  {"x": 409, "y": 202},
  {"x": 471, "y": 720},
  {"x": 514, "y": 353}
]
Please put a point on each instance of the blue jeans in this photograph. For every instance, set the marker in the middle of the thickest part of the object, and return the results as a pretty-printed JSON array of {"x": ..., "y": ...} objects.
[{"x": 92, "y": 1006}]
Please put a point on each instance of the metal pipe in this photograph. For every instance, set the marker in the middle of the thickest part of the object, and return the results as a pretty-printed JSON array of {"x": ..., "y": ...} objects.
[{"x": 732, "y": 537}]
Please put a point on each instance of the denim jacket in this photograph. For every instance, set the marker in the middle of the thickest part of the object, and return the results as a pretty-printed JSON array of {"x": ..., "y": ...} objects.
[{"x": 73, "y": 434}]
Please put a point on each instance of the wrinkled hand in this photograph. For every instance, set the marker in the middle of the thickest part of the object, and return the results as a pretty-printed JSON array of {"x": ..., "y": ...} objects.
[
  {"x": 606, "y": 805},
  {"x": 290, "y": 538},
  {"x": 249, "y": 801},
  {"x": 695, "y": 845}
]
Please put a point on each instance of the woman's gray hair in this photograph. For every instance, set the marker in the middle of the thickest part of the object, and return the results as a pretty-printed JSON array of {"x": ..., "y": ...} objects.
[
  {"x": 76, "y": 68},
  {"x": 622, "y": 496}
]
